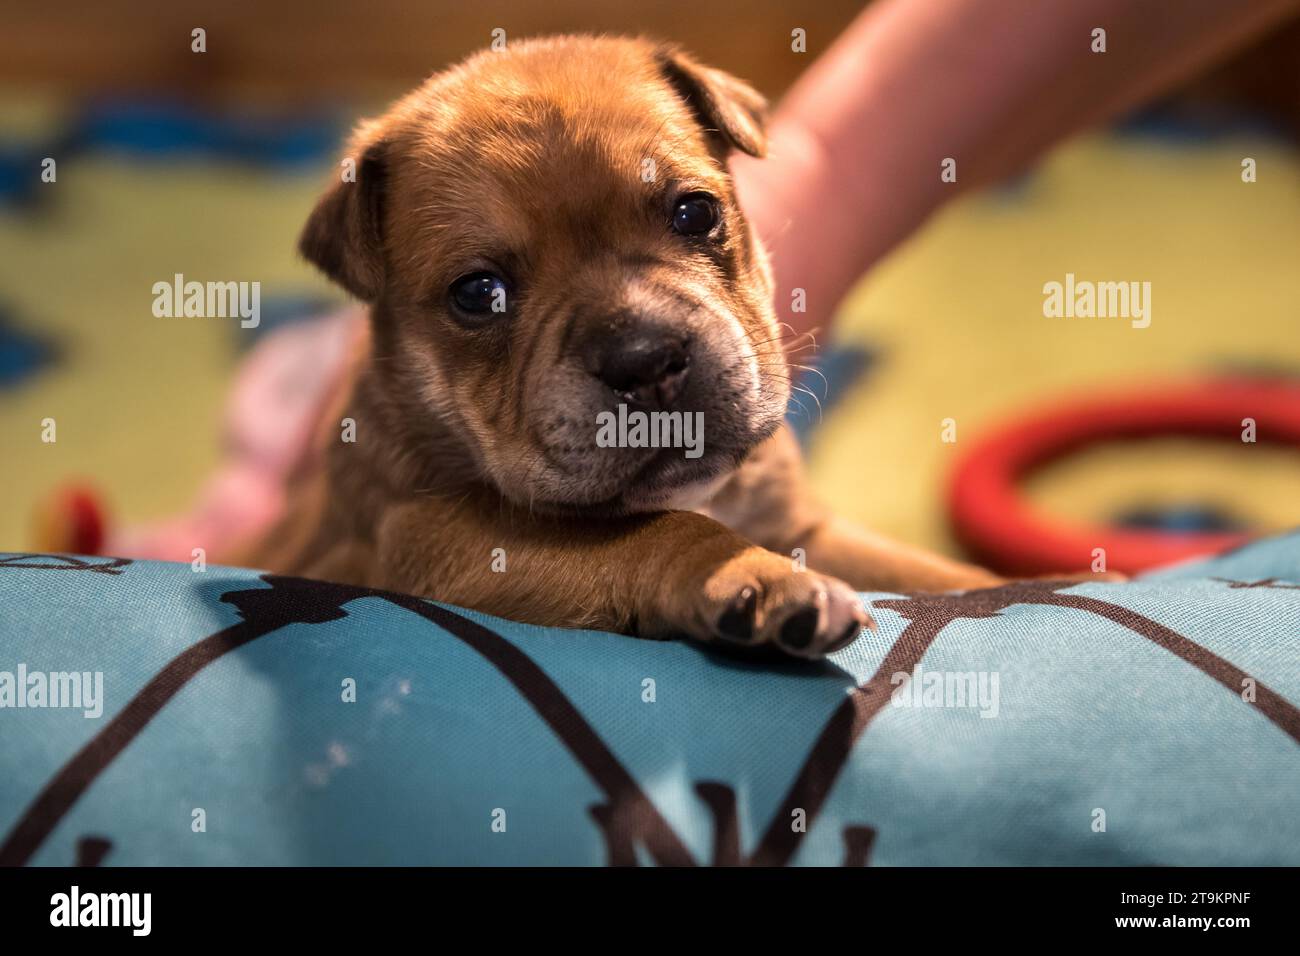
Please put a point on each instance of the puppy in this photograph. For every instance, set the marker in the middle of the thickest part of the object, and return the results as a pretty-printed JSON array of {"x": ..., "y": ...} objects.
[{"x": 543, "y": 235}]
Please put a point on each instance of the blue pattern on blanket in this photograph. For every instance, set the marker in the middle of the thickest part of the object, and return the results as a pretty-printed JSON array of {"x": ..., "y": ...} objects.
[{"x": 1153, "y": 722}]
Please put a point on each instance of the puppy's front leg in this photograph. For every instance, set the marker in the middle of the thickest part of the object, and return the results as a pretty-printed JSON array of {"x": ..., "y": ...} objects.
[
  {"x": 769, "y": 500},
  {"x": 873, "y": 562},
  {"x": 656, "y": 575}
]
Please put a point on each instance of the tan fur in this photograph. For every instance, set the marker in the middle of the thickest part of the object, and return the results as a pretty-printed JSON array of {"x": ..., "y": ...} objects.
[{"x": 471, "y": 439}]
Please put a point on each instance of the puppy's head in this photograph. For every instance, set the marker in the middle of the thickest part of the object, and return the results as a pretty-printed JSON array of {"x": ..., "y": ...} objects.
[{"x": 547, "y": 233}]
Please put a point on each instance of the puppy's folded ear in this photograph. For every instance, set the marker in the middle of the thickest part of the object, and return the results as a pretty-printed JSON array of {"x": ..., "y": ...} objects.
[
  {"x": 344, "y": 234},
  {"x": 724, "y": 104}
]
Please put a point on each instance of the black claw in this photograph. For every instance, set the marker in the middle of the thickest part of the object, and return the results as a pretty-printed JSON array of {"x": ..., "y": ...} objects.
[
  {"x": 800, "y": 628},
  {"x": 844, "y": 640},
  {"x": 737, "y": 621}
]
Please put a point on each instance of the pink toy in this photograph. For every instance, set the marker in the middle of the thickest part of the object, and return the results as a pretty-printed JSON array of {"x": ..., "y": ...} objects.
[{"x": 279, "y": 395}]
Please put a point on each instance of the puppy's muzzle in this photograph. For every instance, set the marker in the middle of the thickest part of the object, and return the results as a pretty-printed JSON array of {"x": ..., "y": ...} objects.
[{"x": 645, "y": 366}]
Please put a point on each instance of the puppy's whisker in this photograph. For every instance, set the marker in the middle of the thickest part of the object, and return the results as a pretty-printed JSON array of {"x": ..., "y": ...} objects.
[
  {"x": 649, "y": 147},
  {"x": 812, "y": 395},
  {"x": 813, "y": 371},
  {"x": 789, "y": 367},
  {"x": 812, "y": 335},
  {"x": 803, "y": 409},
  {"x": 793, "y": 347},
  {"x": 781, "y": 335}
]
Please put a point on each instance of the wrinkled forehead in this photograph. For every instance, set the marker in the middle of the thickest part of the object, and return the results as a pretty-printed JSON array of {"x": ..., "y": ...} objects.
[{"x": 525, "y": 164}]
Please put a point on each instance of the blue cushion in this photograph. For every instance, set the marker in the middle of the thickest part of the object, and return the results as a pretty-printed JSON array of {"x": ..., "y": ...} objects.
[{"x": 1153, "y": 722}]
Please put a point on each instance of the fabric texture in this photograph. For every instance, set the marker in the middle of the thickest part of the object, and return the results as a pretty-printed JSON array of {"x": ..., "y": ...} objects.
[{"x": 1153, "y": 722}]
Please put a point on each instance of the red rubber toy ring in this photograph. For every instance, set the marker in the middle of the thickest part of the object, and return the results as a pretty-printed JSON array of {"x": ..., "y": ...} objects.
[{"x": 1000, "y": 528}]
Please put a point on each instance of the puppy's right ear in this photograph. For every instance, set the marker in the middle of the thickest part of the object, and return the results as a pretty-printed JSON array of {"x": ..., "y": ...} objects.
[
  {"x": 726, "y": 106},
  {"x": 344, "y": 234}
]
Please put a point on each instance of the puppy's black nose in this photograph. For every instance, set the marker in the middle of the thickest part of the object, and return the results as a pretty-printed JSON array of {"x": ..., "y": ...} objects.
[{"x": 646, "y": 367}]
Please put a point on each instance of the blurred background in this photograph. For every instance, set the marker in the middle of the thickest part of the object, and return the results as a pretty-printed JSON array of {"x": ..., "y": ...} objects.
[{"x": 207, "y": 165}]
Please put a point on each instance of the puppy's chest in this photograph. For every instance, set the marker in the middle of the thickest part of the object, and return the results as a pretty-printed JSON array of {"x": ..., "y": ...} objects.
[
  {"x": 754, "y": 499},
  {"x": 714, "y": 499}
]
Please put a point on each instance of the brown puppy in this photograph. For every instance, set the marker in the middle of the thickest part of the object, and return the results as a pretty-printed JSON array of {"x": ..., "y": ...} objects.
[{"x": 545, "y": 234}]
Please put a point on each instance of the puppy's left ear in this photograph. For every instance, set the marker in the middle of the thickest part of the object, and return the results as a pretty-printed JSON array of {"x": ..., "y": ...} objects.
[
  {"x": 344, "y": 235},
  {"x": 725, "y": 105}
]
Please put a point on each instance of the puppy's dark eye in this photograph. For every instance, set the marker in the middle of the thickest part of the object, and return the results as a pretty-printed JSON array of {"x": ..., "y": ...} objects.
[
  {"x": 695, "y": 214},
  {"x": 480, "y": 294}
]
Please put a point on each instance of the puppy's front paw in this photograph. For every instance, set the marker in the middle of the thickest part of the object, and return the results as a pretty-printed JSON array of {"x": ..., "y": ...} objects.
[{"x": 759, "y": 598}]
